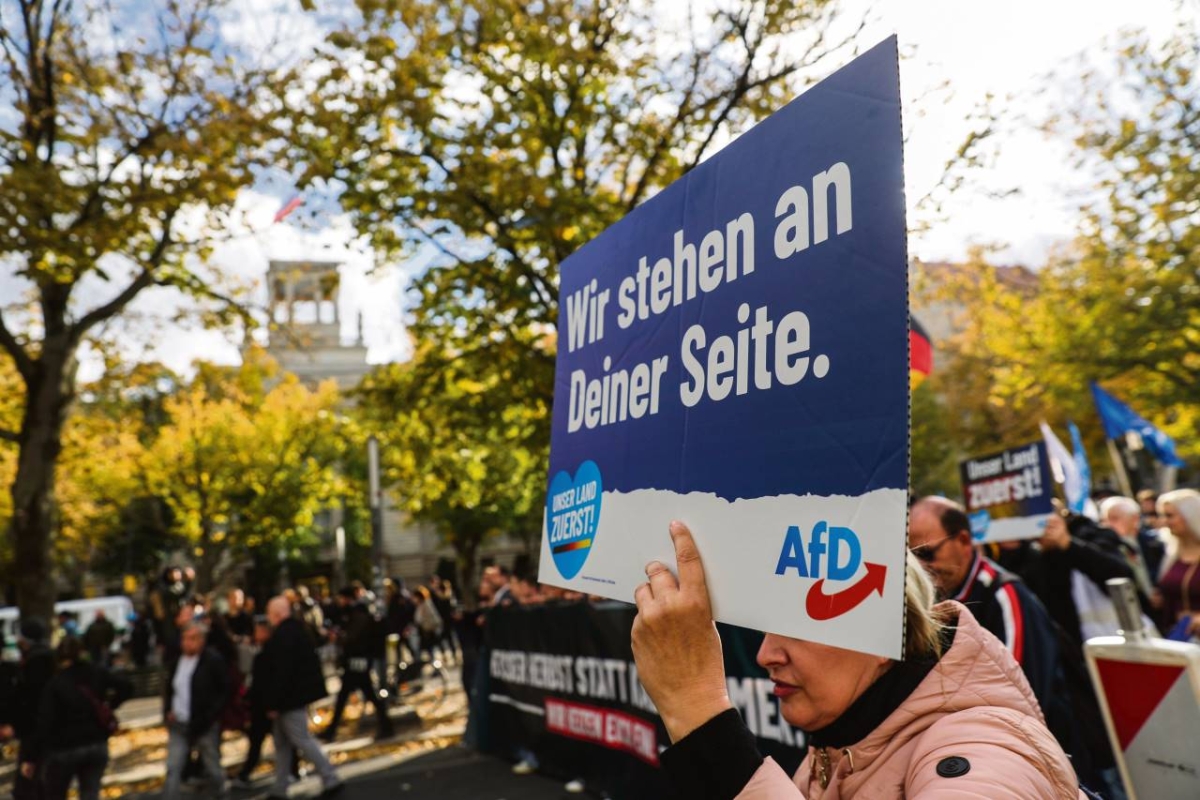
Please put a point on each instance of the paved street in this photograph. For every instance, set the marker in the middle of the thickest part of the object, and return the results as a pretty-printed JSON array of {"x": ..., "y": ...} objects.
[
  {"x": 454, "y": 773},
  {"x": 446, "y": 773}
]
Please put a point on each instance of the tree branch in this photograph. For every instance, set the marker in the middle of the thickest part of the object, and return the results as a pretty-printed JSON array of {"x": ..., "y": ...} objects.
[
  {"x": 14, "y": 349},
  {"x": 146, "y": 278},
  {"x": 9, "y": 436},
  {"x": 112, "y": 307}
]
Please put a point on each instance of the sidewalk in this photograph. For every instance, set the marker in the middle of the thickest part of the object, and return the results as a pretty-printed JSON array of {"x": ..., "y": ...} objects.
[{"x": 455, "y": 773}]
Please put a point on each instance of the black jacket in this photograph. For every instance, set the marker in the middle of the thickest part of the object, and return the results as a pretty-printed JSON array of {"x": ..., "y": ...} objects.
[
  {"x": 1009, "y": 610},
  {"x": 294, "y": 675},
  {"x": 99, "y": 636},
  {"x": 1094, "y": 551},
  {"x": 360, "y": 632},
  {"x": 67, "y": 718},
  {"x": 261, "y": 676},
  {"x": 210, "y": 690},
  {"x": 37, "y": 668}
]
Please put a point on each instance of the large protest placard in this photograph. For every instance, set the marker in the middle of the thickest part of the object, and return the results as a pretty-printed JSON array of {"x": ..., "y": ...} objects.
[
  {"x": 734, "y": 354},
  {"x": 560, "y": 682},
  {"x": 1008, "y": 494}
]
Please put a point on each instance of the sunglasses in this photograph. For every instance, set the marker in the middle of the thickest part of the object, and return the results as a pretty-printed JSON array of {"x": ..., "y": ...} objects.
[{"x": 928, "y": 552}]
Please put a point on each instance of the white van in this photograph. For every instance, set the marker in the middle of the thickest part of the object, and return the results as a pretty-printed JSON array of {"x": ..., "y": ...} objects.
[{"x": 117, "y": 609}]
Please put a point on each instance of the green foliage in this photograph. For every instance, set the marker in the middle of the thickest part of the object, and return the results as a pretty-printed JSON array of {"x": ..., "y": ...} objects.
[
  {"x": 504, "y": 135},
  {"x": 507, "y": 134},
  {"x": 136, "y": 539},
  {"x": 1122, "y": 305},
  {"x": 133, "y": 128},
  {"x": 1125, "y": 305},
  {"x": 241, "y": 470},
  {"x": 462, "y": 443},
  {"x": 119, "y": 133},
  {"x": 935, "y": 456}
]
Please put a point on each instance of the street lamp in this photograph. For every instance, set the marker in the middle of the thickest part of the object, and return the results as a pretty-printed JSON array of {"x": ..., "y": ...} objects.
[{"x": 374, "y": 498}]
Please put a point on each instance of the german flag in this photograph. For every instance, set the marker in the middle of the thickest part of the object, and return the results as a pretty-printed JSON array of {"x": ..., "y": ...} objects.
[{"x": 920, "y": 353}]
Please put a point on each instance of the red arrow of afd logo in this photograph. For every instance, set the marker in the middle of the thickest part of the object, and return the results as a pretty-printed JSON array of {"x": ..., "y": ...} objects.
[{"x": 821, "y": 606}]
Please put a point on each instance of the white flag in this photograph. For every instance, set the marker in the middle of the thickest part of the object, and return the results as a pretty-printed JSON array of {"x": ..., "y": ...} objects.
[{"x": 1066, "y": 471}]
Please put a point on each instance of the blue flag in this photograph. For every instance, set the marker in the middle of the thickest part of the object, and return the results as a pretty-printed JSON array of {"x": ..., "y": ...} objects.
[
  {"x": 1119, "y": 418},
  {"x": 1081, "y": 464}
]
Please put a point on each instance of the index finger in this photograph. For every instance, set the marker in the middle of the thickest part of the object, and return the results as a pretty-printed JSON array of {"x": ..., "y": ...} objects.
[{"x": 687, "y": 559}]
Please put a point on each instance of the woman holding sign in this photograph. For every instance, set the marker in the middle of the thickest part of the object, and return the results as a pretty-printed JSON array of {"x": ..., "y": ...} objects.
[{"x": 954, "y": 718}]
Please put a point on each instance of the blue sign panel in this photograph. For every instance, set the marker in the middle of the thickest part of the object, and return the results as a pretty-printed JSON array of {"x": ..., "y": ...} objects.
[
  {"x": 734, "y": 353},
  {"x": 1008, "y": 495}
]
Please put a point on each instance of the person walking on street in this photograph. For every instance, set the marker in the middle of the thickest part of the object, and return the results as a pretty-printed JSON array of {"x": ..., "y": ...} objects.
[
  {"x": 196, "y": 692},
  {"x": 429, "y": 622},
  {"x": 260, "y": 723},
  {"x": 75, "y": 719},
  {"x": 399, "y": 614},
  {"x": 294, "y": 680},
  {"x": 36, "y": 670},
  {"x": 358, "y": 648},
  {"x": 442, "y": 594}
]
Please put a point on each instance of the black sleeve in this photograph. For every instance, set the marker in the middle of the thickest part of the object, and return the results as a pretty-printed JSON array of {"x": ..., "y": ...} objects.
[
  {"x": 715, "y": 761},
  {"x": 1096, "y": 564},
  {"x": 281, "y": 664},
  {"x": 46, "y": 723},
  {"x": 117, "y": 688},
  {"x": 220, "y": 678},
  {"x": 169, "y": 689}
]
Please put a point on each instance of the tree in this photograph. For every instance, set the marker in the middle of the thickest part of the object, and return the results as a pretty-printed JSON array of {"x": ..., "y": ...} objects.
[
  {"x": 1124, "y": 304},
  {"x": 93, "y": 492},
  {"x": 506, "y": 134},
  {"x": 502, "y": 135},
  {"x": 1121, "y": 305},
  {"x": 935, "y": 455},
  {"x": 461, "y": 451},
  {"x": 246, "y": 469},
  {"x": 133, "y": 128}
]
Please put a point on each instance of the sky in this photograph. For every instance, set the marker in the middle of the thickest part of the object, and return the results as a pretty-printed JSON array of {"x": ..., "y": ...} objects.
[
  {"x": 969, "y": 48},
  {"x": 1010, "y": 50}
]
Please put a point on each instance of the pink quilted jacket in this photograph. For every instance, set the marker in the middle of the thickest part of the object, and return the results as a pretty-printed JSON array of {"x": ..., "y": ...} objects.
[{"x": 975, "y": 705}]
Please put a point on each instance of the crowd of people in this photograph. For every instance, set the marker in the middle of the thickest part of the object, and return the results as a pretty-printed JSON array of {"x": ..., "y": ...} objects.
[{"x": 226, "y": 668}]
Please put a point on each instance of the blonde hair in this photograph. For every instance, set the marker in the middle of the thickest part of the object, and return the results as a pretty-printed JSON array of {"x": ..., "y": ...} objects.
[
  {"x": 1186, "y": 503},
  {"x": 923, "y": 624}
]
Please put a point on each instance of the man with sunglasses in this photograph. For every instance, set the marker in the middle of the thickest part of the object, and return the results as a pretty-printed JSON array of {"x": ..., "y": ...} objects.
[{"x": 939, "y": 534}]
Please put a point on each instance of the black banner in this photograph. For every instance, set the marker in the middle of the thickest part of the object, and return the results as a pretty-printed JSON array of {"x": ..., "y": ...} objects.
[{"x": 559, "y": 681}]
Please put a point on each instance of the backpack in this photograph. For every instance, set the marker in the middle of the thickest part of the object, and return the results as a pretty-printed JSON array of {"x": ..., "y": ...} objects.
[{"x": 105, "y": 717}]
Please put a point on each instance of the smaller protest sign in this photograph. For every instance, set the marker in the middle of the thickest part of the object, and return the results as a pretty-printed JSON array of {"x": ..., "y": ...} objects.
[{"x": 1008, "y": 494}]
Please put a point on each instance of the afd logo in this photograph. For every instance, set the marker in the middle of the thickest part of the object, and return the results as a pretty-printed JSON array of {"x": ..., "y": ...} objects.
[{"x": 833, "y": 554}]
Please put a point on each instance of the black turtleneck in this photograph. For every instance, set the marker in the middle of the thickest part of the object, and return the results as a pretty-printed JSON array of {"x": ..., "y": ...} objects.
[{"x": 879, "y": 700}]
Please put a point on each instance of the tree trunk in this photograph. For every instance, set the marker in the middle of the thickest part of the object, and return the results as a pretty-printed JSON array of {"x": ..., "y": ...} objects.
[
  {"x": 466, "y": 547},
  {"x": 206, "y": 567},
  {"x": 50, "y": 392}
]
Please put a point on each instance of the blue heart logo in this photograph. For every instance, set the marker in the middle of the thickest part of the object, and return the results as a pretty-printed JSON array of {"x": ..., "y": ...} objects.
[
  {"x": 980, "y": 521},
  {"x": 572, "y": 517}
]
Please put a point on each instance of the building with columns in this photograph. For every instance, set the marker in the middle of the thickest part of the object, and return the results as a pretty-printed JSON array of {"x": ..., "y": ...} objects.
[{"x": 306, "y": 338}]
